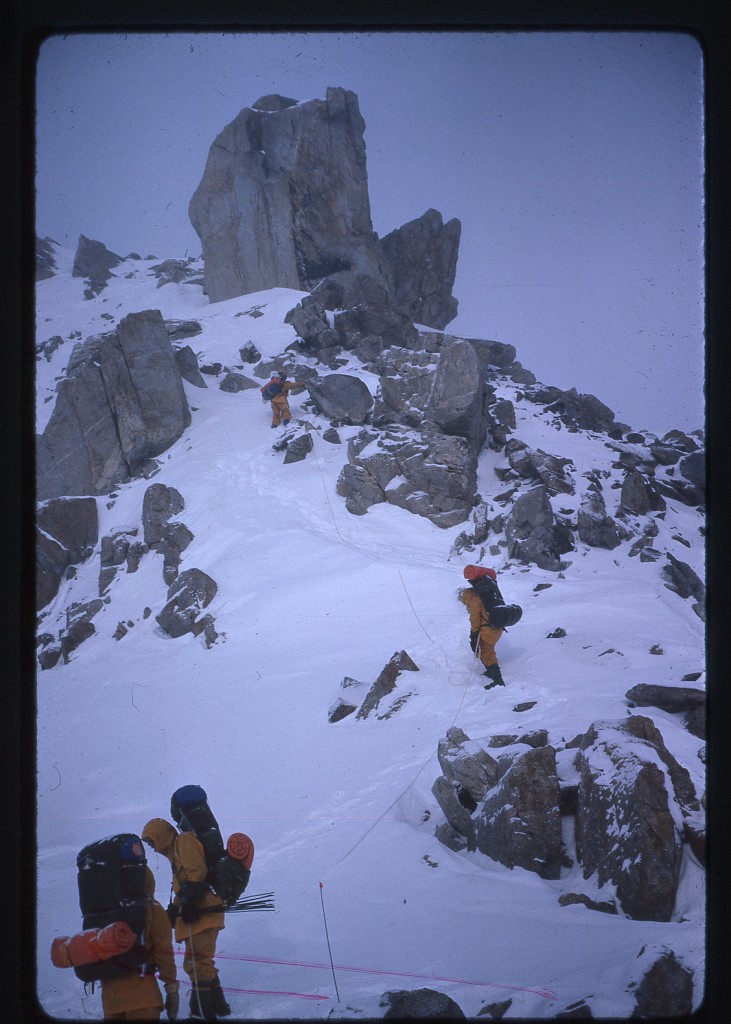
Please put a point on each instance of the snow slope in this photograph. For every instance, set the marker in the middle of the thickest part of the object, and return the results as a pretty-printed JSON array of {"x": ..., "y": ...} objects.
[{"x": 307, "y": 595}]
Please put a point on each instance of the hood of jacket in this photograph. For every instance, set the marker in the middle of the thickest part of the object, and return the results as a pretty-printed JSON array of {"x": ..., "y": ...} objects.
[{"x": 160, "y": 834}]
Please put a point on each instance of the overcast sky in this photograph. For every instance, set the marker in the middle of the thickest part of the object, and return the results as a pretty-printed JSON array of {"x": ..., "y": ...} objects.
[{"x": 574, "y": 161}]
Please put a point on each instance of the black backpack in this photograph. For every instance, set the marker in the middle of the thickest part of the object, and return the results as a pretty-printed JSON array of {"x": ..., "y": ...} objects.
[
  {"x": 111, "y": 879},
  {"x": 271, "y": 390},
  {"x": 501, "y": 614},
  {"x": 227, "y": 876}
]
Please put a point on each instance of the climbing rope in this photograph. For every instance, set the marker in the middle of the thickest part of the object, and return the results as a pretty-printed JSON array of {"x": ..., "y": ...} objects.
[
  {"x": 428, "y": 636},
  {"x": 429, "y": 756}
]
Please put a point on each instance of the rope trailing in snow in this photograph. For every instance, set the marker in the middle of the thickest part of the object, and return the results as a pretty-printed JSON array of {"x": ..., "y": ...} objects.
[{"x": 545, "y": 993}]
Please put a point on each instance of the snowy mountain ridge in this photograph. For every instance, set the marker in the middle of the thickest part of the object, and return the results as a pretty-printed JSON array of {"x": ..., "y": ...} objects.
[{"x": 309, "y": 595}]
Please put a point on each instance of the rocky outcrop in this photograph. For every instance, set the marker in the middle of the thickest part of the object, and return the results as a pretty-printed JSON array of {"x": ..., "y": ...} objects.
[
  {"x": 67, "y": 530},
  {"x": 595, "y": 527},
  {"x": 684, "y": 581},
  {"x": 533, "y": 532},
  {"x": 94, "y": 262},
  {"x": 45, "y": 258},
  {"x": 386, "y": 682},
  {"x": 161, "y": 532},
  {"x": 431, "y": 475},
  {"x": 121, "y": 403},
  {"x": 191, "y": 592},
  {"x": 507, "y": 809},
  {"x": 283, "y": 201},
  {"x": 549, "y": 470},
  {"x": 578, "y": 412},
  {"x": 422, "y": 261},
  {"x": 626, "y": 827},
  {"x": 366, "y": 328}
]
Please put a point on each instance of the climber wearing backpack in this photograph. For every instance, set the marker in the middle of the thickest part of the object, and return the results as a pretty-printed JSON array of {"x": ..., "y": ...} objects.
[
  {"x": 276, "y": 392},
  {"x": 127, "y": 936},
  {"x": 489, "y": 615},
  {"x": 197, "y": 924},
  {"x": 136, "y": 996}
]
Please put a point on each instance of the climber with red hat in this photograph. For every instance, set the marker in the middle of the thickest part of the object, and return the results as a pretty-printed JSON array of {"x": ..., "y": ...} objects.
[{"x": 489, "y": 615}]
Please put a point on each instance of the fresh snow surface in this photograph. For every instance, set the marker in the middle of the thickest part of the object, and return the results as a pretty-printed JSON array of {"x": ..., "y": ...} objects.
[{"x": 308, "y": 595}]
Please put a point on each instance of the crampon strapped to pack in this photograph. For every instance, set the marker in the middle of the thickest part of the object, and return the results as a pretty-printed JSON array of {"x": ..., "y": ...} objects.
[
  {"x": 111, "y": 880},
  {"x": 271, "y": 390},
  {"x": 229, "y": 866}
]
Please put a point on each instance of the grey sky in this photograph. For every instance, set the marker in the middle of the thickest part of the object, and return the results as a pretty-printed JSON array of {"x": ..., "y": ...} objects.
[{"x": 574, "y": 161}]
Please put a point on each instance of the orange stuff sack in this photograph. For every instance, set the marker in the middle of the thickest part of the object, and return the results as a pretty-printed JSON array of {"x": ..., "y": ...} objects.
[
  {"x": 92, "y": 945},
  {"x": 60, "y": 952},
  {"x": 240, "y": 847}
]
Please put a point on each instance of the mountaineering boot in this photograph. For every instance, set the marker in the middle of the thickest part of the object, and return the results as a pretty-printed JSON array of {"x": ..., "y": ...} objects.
[
  {"x": 220, "y": 1006},
  {"x": 285, "y": 422},
  {"x": 201, "y": 1001},
  {"x": 494, "y": 674}
]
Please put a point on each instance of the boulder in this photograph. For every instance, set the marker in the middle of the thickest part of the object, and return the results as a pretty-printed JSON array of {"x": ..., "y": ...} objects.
[
  {"x": 45, "y": 258},
  {"x": 169, "y": 539},
  {"x": 341, "y": 398},
  {"x": 250, "y": 353},
  {"x": 283, "y": 201},
  {"x": 583, "y": 412},
  {"x": 550, "y": 470},
  {"x": 409, "y": 1004},
  {"x": 359, "y": 489},
  {"x": 159, "y": 504},
  {"x": 532, "y": 532},
  {"x": 665, "y": 991},
  {"x": 121, "y": 404},
  {"x": 683, "y": 580},
  {"x": 635, "y": 498},
  {"x": 67, "y": 530},
  {"x": 234, "y": 382},
  {"x": 422, "y": 262},
  {"x": 469, "y": 772},
  {"x": 519, "y": 822},
  {"x": 187, "y": 364},
  {"x": 298, "y": 448},
  {"x": 188, "y": 595},
  {"x": 178, "y": 329},
  {"x": 668, "y": 698},
  {"x": 386, "y": 681},
  {"x": 458, "y": 402},
  {"x": 466, "y": 764},
  {"x": 595, "y": 527},
  {"x": 347, "y": 700},
  {"x": 626, "y": 831},
  {"x": 94, "y": 262}
]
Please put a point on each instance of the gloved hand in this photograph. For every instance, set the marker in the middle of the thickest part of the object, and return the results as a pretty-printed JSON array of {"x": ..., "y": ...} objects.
[
  {"x": 172, "y": 912},
  {"x": 172, "y": 999},
  {"x": 189, "y": 912}
]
